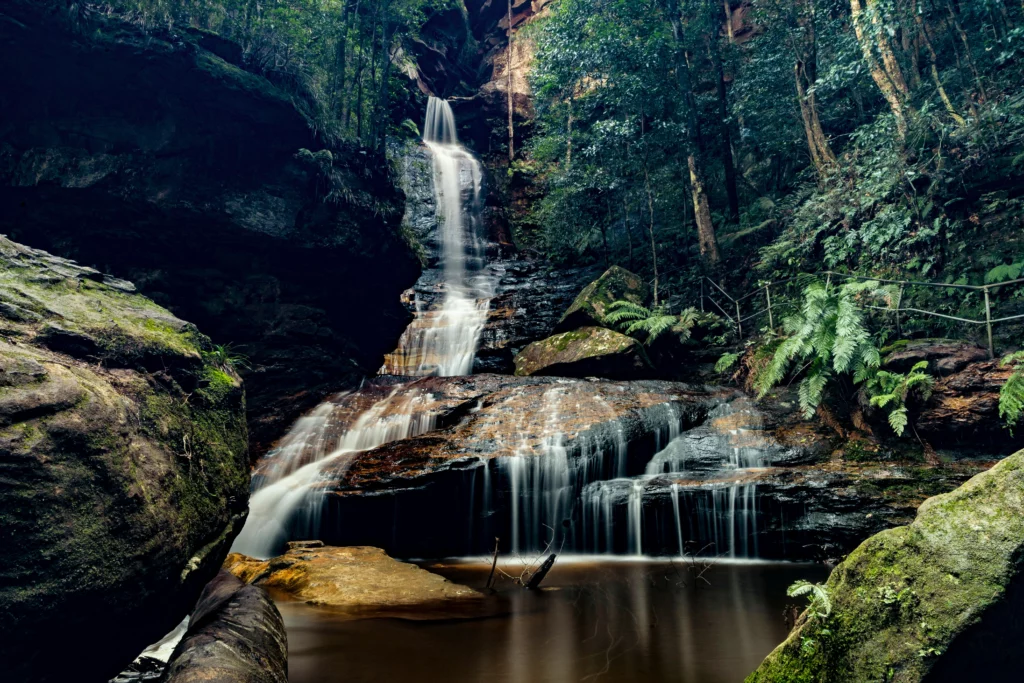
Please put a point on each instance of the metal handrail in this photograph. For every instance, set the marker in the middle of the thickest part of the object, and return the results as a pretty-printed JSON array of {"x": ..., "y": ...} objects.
[{"x": 738, "y": 319}]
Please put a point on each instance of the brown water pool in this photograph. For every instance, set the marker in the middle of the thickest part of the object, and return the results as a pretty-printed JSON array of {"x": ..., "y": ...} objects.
[{"x": 597, "y": 621}]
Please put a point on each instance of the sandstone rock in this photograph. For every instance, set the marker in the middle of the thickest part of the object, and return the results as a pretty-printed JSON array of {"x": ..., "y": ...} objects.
[
  {"x": 356, "y": 580},
  {"x": 235, "y": 635},
  {"x": 590, "y": 306},
  {"x": 586, "y": 352},
  {"x": 125, "y": 469},
  {"x": 963, "y": 411},
  {"x": 939, "y": 599}
]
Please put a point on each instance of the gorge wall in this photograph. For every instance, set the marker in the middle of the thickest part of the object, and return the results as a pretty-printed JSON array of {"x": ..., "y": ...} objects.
[{"x": 156, "y": 157}]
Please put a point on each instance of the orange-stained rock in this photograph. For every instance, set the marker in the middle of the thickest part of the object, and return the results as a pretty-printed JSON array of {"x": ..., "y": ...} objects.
[{"x": 354, "y": 579}]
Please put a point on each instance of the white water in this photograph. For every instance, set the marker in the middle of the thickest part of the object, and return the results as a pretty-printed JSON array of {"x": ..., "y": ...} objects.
[
  {"x": 288, "y": 500},
  {"x": 444, "y": 342}
]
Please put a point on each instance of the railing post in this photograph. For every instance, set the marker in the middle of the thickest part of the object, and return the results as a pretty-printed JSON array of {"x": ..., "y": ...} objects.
[
  {"x": 899, "y": 305},
  {"x": 739, "y": 325},
  {"x": 702, "y": 295},
  {"x": 768, "y": 294},
  {"x": 988, "y": 323}
]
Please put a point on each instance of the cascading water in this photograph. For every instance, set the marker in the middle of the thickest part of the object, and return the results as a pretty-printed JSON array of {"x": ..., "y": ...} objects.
[
  {"x": 444, "y": 341},
  {"x": 287, "y": 495}
]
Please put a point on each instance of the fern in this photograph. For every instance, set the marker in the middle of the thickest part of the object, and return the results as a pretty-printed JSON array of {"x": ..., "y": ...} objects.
[
  {"x": 829, "y": 335},
  {"x": 820, "y": 602},
  {"x": 634, "y": 319},
  {"x": 726, "y": 362},
  {"x": 1011, "y": 395},
  {"x": 890, "y": 390}
]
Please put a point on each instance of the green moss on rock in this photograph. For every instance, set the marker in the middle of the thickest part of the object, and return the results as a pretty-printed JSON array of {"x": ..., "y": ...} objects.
[
  {"x": 125, "y": 460},
  {"x": 586, "y": 352},
  {"x": 590, "y": 306},
  {"x": 906, "y": 600}
]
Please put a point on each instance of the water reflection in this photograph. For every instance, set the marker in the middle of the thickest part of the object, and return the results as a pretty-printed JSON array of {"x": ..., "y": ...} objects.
[{"x": 609, "y": 622}]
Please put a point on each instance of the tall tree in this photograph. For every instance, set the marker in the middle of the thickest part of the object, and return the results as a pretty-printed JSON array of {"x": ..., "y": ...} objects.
[{"x": 706, "y": 239}]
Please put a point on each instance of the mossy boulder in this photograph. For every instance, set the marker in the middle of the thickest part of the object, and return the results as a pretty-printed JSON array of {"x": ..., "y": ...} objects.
[
  {"x": 123, "y": 454},
  {"x": 586, "y": 352},
  {"x": 941, "y": 597},
  {"x": 591, "y": 305}
]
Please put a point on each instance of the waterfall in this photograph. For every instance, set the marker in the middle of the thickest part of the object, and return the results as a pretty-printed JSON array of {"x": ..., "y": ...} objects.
[
  {"x": 288, "y": 490},
  {"x": 444, "y": 341}
]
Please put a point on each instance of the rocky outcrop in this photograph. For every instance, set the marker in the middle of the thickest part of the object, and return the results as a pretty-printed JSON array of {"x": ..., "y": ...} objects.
[
  {"x": 586, "y": 352},
  {"x": 499, "y": 442},
  {"x": 963, "y": 411},
  {"x": 157, "y": 157},
  {"x": 235, "y": 635},
  {"x": 591, "y": 306},
  {"x": 124, "y": 465},
  {"x": 358, "y": 580},
  {"x": 932, "y": 601}
]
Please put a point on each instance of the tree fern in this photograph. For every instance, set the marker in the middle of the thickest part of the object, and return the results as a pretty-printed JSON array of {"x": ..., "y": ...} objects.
[
  {"x": 829, "y": 335},
  {"x": 634, "y": 319},
  {"x": 821, "y": 603},
  {"x": 1011, "y": 396}
]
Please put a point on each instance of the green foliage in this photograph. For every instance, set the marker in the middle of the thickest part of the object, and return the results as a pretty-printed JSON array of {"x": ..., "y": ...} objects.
[
  {"x": 1011, "y": 395},
  {"x": 829, "y": 336},
  {"x": 889, "y": 391},
  {"x": 338, "y": 57},
  {"x": 820, "y": 602},
  {"x": 1004, "y": 272},
  {"x": 634, "y": 319},
  {"x": 226, "y": 356},
  {"x": 727, "y": 362}
]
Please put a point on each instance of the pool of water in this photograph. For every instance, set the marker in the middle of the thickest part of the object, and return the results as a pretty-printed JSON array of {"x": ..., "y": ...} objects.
[{"x": 600, "y": 621}]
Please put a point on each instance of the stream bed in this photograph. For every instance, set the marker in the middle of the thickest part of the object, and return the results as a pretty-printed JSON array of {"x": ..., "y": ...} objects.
[{"x": 601, "y": 620}]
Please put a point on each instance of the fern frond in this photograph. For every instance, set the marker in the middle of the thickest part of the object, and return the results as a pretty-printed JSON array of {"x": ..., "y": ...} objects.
[
  {"x": 726, "y": 362},
  {"x": 625, "y": 311},
  {"x": 898, "y": 420}
]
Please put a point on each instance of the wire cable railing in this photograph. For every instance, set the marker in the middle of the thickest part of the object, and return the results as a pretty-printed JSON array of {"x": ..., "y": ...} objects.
[{"x": 731, "y": 308}]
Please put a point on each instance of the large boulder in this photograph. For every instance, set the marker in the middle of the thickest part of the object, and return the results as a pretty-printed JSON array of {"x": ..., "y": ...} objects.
[
  {"x": 591, "y": 305},
  {"x": 586, "y": 352},
  {"x": 124, "y": 456},
  {"x": 359, "y": 580},
  {"x": 934, "y": 600},
  {"x": 235, "y": 635}
]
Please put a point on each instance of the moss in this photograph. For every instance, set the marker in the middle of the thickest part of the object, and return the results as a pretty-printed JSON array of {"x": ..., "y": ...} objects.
[
  {"x": 902, "y": 598},
  {"x": 588, "y": 309}
]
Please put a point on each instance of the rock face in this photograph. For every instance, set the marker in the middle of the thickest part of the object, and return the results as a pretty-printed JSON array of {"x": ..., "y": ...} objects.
[
  {"x": 357, "y": 580},
  {"x": 125, "y": 467},
  {"x": 591, "y": 305},
  {"x": 235, "y": 635},
  {"x": 586, "y": 352},
  {"x": 935, "y": 600},
  {"x": 156, "y": 157},
  {"x": 963, "y": 411}
]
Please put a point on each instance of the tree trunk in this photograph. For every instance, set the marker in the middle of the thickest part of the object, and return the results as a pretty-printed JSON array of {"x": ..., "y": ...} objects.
[
  {"x": 650, "y": 229},
  {"x": 724, "y": 130},
  {"x": 932, "y": 59},
  {"x": 891, "y": 90},
  {"x": 706, "y": 240},
  {"x": 511, "y": 103},
  {"x": 695, "y": 161}
]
